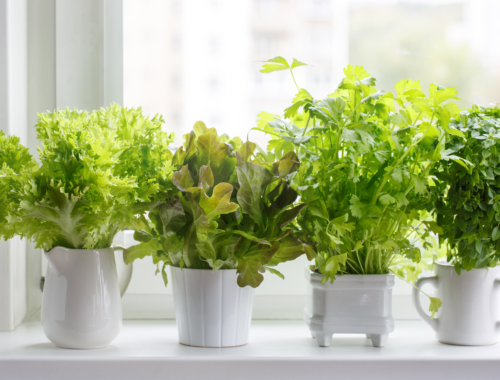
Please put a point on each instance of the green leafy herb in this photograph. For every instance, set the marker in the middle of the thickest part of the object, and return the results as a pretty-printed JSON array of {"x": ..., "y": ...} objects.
[
  {"x": 228, "y": 212},
  {"x": 467, "y": 191},
  {"x": 367, "y": 158}
]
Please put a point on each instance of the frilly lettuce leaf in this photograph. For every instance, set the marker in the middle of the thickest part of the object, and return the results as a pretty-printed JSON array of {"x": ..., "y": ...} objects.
[
  {"x": 98, "y": 173},
  {"x": 15, "y": 165}
]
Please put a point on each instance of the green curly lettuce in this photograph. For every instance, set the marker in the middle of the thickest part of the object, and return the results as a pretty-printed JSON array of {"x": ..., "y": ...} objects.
[
  {"x": 229, "y": 211},
  {"x": 15, "y": 164},
  {"x": 98, "y": 173}
]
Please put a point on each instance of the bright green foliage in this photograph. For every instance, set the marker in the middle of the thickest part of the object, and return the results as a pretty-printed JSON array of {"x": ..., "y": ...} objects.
[
  {"x": 15, "y": 164},
  {"x": 365, "y": 175},
  {"x": 98, "y": 172},
  {"x": 229, "y": 212},
  {"x": 468, "y": 195}
]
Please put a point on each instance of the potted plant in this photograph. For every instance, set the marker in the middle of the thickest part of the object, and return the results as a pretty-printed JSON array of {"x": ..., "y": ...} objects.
[
  {"x": 15, "y": 164},
  {"x": 97, "y": 172},
  {"x": 366, "y": 161},
  {"x": 467, "y": 202},
  {"x": 228, "y": 221}
]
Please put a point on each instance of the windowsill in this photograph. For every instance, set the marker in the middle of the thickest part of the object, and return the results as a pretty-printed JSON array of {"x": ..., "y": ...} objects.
[{"x": 277, "y": 350}]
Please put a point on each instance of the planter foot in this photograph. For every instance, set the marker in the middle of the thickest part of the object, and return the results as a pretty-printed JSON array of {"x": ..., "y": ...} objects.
[
  {"x": 379, "y": 340},
  {"x": 324, "y": 340}
]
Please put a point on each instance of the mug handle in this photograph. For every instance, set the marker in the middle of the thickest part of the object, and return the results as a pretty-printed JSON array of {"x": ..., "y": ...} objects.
[
  {"x": 434, "y": 323},
  {"x": 124, "y": 281},
  {"x": 497, "y": 286}
]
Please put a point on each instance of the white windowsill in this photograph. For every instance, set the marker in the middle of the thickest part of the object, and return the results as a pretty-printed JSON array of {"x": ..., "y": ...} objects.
[{"x": 277, "y": 350}]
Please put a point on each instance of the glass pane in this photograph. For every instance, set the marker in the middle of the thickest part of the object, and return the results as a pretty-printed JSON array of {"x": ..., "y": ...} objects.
[{"x": 199, "y": 59}]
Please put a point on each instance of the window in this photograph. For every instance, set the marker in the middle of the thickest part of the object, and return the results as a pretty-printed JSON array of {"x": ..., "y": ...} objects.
[
  {"x": 199, "y": 60},
  {"x": 213, "y": 49}
]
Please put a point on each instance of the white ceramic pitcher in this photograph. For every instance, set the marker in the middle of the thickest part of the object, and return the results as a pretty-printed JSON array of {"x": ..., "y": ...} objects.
[
  {"x": 81, "y": 304},
  {"x": 469, "y": 314}
]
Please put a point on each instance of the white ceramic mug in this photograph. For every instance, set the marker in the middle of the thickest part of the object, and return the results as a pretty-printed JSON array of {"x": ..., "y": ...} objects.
[
  {"x": 81, "y": 304},
  {"x": 469, "y": 314}
]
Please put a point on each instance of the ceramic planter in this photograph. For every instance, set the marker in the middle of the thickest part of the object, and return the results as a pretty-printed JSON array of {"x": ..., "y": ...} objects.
[
  {"x": 353, "y": 304},
  {"x": 469, "y": 315},
  {"x": 81, "y": 305},
  {"x": 210, "y": 308}
]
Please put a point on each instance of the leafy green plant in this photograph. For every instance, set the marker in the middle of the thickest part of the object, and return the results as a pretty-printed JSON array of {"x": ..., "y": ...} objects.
[
  {"x": 366, "y": 160},
  {"x": 228, "y": 211},
  {"x": 15, "y": 164},
  {"x": 97, "y": 172},
  {"x": 467, "y": 197}
]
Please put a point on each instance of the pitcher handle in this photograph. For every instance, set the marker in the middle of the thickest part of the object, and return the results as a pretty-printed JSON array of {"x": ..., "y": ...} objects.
[
  {"x": 434, "y": 323},
  {"x": 124, "y": 280}
]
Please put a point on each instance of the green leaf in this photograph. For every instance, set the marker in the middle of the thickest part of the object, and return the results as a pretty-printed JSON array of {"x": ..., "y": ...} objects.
[
  {"x": 206, "y": 180},
  {"x": 140, "y": 251},
  {"x": 288, "y": 164},
  {"x": 276, "y": 272},
  {"x": 386, "y": 199},
  {"x": 172, "y": 216},
  {"x": 297, "y": 63},
  {"x": 212, "y": 151},
  {"x": 496, "y": 233},
  {"x": 332, "y": 267},
  {"x": 220, "y": 201},
  {"x": 357, "y": 207},
  {"x": 164, "y": 274},
  {"x": 249, "y": 273},
  {"x": 275, "y": 64},
  {"x": 245, "y": 152},
  {"x": 253, "y": 179},
  {"x": 434, "y": 306},
  {"x": 289, "y": 216},
  {"x": 455, "y": 132},
  {"x": 420, "y": 185},
  {"x": 290, "y": 248},
  {"x": 250, "y": 237},
  {"x": 182, "y": 178}
]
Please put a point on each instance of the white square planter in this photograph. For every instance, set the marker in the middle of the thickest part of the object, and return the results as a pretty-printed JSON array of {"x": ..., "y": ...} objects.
[{"x": 353, "y": 304}]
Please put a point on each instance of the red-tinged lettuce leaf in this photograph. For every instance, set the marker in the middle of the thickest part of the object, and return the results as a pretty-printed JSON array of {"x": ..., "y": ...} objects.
[
  {"x": 250, "y": 273},
  {"x": 172, "y": 216},
  {"x": 206, "y": 178},
  {"x": 245, "y": 151},
  {"x": 290, "y": 248},
  {"x": 182, "y": 178},
  {"x": 253, "y": 179},
  {"x": 288, "y": 164}
]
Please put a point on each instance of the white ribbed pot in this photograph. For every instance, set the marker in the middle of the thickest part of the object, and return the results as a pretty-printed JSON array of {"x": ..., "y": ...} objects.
[
  {"x": 470, "y": 313},
  {"x": 81, "y": 304},
  {"x": 210, "y": 308},
  {"x": 353, "y": 304}
]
